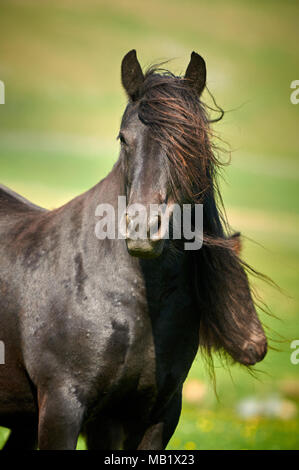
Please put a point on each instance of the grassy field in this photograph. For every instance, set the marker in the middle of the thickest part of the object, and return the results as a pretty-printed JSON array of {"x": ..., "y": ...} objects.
[{"x": 60, "y": 62}]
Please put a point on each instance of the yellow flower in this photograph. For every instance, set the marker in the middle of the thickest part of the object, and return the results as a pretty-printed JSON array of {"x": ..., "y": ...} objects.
[
  {"x": 250, "y": 429},
  {"x": 205, "y": 425},
  {"x": 190, "y": 445}
]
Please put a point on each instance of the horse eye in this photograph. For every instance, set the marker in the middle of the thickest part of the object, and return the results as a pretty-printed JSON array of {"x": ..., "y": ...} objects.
[{"x": 122, "y": 139}]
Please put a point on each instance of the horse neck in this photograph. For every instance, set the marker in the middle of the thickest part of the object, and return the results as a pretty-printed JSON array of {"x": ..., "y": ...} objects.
[
  {"x": 80, "y": 213},
  {"x": 106, "y": 191}
]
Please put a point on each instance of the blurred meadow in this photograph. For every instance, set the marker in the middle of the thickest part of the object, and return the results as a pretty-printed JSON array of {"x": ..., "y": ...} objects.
[{"x": 60, "y": 62}]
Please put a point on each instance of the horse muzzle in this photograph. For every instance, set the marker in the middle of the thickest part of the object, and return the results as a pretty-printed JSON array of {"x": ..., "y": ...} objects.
[
  {"x": 148, "y": 240},
  {"x": 253, "y": 352}
]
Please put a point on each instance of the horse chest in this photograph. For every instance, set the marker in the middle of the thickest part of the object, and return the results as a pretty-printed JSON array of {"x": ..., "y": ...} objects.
[{"x": 163, "y": 347}]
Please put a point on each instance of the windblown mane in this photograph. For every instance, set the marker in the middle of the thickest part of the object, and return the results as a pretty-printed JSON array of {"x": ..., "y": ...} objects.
[{"x": 178, "y": 120}]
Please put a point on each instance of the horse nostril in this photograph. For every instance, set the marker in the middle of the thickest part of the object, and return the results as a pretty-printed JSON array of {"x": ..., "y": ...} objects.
[
  {"x": 255, "y": 352},
  {"x": 154, "y": 227},
  {"x": 159, "y": 223},
  {"x": 251, "y": 349}
]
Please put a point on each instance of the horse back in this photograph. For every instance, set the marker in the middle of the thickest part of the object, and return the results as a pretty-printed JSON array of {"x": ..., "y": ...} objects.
[{"x": 12, "y": 202}]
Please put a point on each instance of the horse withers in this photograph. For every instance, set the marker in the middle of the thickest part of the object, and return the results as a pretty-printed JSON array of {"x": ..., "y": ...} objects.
[{"x": 100, "y": 335}]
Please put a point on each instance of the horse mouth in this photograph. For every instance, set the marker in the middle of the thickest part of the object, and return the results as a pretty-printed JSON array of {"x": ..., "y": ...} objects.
[{"x": 147, "y": 249}]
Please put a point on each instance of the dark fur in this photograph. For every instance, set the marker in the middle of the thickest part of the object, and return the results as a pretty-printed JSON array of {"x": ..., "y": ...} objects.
[{"x": 101, "y": 342}]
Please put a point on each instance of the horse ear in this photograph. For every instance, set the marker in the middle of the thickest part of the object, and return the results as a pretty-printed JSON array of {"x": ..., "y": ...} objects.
[
  {"x": 131, "y": 74},
  {"x": 196, "y": 73}
]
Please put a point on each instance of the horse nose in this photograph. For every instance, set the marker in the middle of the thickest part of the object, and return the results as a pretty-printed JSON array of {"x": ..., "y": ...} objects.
[
  {"x": 149, "y": 242},
  {"x": 148, "y": 228},
  {"x": 154, "y": 228},
  {"x": 255, "y": 351}
]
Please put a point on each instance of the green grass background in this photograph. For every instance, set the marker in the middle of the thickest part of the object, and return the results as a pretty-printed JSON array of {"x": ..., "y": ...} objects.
[{"x": 60, "y": 62}]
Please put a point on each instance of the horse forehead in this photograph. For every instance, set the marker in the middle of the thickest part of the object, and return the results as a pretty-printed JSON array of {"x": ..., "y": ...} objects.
[
  {"x": 139, "y": 134},
  {"x": 130, "y": 118}
]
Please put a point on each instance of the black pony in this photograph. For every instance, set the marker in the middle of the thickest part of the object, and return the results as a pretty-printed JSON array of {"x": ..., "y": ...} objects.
[{"x": 100, "y": 335}]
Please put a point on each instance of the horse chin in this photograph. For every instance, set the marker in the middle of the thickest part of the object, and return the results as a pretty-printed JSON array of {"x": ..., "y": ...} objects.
[{"x": 145, "y": 248}]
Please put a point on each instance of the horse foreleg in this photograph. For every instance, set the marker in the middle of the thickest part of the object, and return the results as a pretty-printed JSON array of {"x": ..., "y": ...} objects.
[
  {"x": 104, "y": 434},
  {"x": 157, "y": 435},
  {"x": 60, "y": 419}
]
